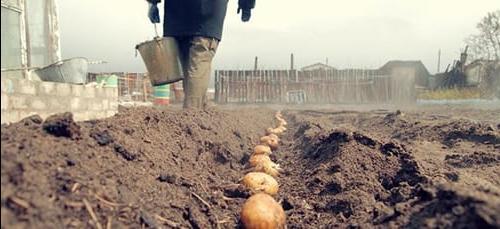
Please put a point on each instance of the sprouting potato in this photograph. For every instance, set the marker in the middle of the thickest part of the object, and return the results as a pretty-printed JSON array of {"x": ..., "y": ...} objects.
[{"x": 269, "y": 141}]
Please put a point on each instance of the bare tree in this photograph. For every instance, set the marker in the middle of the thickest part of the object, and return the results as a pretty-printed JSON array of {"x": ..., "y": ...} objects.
[{"x": 486, "y": 44}]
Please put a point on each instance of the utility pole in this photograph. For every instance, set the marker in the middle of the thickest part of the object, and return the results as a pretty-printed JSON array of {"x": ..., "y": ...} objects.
[
  {"x": 291, "y": 62},
  {"x": 256, "y": 64},
  {"x": 439, "y": 61}
]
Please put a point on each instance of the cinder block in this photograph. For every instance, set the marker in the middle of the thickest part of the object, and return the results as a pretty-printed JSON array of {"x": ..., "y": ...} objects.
[
  {"x": 3, "y": 85},
  {"x": 112, "y": 92},
  {"x": 57, "y": 104},
  {"x": 111, "y": 113},
  {"x": 89, "y": 92},
  {"x": 27, "y": 87},
  {"x": 81, "y": 115},
  {"x": 8, "y": 86},
  {"x": 113, "y": 105},
  {"x": 9, "y": 116},
  {"x": 47, "y": 88},
  {"x": 76, "y": 104},
  {"x": 5, "y": 101},
  {"x": 38, "y": 104},
  {"x": 18, "y": 101},
  {"x": 101, "y": 114},
  {"x": 77, "y": 90},
  {"x": 100, "y": 92},
  {"x": 105, "y": 104},
  {"x": 63, "y": 89},
  {"x": 96, "y": 105}
]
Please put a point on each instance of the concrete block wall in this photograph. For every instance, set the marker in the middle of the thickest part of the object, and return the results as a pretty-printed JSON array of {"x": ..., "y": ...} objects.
[{"x": 21, "y": 98}]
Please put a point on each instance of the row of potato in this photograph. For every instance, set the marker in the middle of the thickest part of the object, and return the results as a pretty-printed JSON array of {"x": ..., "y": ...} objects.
[{"x": 261, "y": 211}]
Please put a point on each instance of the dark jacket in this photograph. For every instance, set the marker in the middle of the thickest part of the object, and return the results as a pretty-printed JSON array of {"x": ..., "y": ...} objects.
[{"x": 196, "y": 17}]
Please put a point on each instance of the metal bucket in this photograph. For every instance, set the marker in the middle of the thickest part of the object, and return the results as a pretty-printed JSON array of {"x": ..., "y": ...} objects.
[
  {"x": 161, "y": 57},
  {"x": 66, "y": 71}
]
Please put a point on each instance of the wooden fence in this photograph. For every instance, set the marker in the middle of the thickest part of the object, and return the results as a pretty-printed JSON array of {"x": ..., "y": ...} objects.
[{"x": 318, "y": 86}]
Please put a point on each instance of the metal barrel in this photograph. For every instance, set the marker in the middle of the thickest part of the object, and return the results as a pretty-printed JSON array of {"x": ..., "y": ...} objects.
[
  {"x": 162, "y": 60},
  {"x": 161, "y": 95}
]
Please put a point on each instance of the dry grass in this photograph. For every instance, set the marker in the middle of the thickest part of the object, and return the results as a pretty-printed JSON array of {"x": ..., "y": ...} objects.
[{"x": 451, "y": 94}]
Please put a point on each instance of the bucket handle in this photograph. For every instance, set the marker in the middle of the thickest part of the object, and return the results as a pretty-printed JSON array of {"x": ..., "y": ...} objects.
[{"x": 157, "y": 38}]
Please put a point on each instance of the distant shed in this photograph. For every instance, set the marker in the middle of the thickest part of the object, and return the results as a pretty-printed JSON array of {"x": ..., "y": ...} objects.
[{"x": 416, "y": 69}]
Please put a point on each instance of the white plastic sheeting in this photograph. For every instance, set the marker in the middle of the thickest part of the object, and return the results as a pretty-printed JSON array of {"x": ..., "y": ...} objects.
[
  {"x": 42, "y": 32},
  {"x": 30, "y": 34},
  {"x": 54, "y": 30},
  {"x": 11, "y": 40}
]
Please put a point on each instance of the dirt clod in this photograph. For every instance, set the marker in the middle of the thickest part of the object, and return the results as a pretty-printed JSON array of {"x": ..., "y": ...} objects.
[
  {"x": 62, "y": 125},
  {"x": 123, "y": 152},
  {"x": 102, "y": 138},
  {"x": 169, "y": 178}
]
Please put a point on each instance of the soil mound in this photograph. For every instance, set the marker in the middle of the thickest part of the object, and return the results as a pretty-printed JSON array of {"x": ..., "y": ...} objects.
[
  {"x": 180, "y": 169},
  {"x": 142, "y": 167},
  {"x": 354, "y": 177}
]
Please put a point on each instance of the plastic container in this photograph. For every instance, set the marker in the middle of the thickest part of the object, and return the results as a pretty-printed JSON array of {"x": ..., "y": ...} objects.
[
  {"x": 108, "y": 80},
  {"x": 162, "y": 60},
  {"x": 72, "y": 70},
  {"x": 161, "y": 95}
]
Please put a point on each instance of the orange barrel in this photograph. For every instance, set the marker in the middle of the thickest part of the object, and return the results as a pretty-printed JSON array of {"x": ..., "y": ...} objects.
[{"x": 162, "y": 95}]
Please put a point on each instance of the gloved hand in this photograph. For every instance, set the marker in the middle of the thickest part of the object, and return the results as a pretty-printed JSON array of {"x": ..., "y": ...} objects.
[
  {"x": 154, "y": 13},
  {"x": 246, "y": 7},
  {"x": 246, "y": 14}
]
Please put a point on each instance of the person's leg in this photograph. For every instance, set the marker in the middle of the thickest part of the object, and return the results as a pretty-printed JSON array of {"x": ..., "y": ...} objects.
[
  {"x": 197, "y": 77},
  {"x": 184, "y": 44}
]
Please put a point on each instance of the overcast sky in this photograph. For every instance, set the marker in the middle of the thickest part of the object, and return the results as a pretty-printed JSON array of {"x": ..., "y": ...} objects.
[{"x": 355, "y": 33}]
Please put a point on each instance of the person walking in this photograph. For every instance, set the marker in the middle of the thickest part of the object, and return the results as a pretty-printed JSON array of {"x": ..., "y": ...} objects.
[{"x": 197, "y": 27}]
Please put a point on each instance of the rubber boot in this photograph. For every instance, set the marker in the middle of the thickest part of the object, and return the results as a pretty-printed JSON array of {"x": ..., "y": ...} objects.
[{"x": 198, "y": 68}]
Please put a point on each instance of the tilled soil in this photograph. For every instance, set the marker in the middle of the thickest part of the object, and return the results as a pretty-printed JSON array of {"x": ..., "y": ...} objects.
[
  {"x": 380, "y": 169},
  {"x": 180, "y": 169}
]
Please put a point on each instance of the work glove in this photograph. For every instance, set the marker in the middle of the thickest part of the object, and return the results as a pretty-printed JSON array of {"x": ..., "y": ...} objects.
[
  {"x": 245, "y": 15},
  {"x": 154, "y": 13},
  {"x": 245, "y": 7}
]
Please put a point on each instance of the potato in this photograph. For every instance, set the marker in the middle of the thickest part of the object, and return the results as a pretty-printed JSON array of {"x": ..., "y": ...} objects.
[
  {"x": 268, "y": 167},
  {"x": 262, "y": 149},
  {"x": 260, "y": 182},
  {"x": 269, "y": 141},
  {"x": 261, "y": 211},
  {"x": 280, "y": 129},
  {"x": 273, "y": 131},
  {"x": 274, "y": 136},
  {"x": 258, "y": 159}
]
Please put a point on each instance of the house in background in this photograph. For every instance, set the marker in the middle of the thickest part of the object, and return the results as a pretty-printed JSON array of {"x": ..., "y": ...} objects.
[
  {"x": 408, "y": 69},
  {"x": 317, "y": 66},
  {"x": 30, "y": 35}
]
